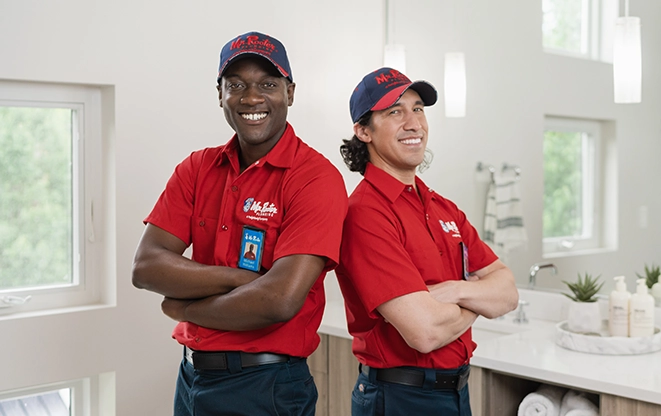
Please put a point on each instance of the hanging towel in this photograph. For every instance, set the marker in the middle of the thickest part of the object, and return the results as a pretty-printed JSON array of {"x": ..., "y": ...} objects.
[
  {"x": 577, "y": 404},
  {"x": 490, "y": 221},
  {"x": 504, "y": 216},
  {"x": 543, "y": 402}
]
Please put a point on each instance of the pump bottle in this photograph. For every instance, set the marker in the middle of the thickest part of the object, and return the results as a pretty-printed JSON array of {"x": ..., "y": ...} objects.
[
  {"x": 641, "y": 312},
  {"x": 618, "y": 309}
]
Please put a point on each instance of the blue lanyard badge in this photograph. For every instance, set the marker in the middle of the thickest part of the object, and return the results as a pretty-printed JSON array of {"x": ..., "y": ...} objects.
[
  {"x": 252, "y": 243},
  {"x": 464, "y": 263}
]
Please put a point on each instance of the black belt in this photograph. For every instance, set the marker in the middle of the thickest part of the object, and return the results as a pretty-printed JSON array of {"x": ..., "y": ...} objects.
[
  {"x": 416, "y": 378},
  {"x": 213, "y": 360}
]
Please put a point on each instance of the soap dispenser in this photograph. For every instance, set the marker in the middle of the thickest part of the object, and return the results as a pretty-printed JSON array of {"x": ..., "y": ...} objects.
[
  {"x": 618, "y": 309},
  {"x": 641, "y": 312}
]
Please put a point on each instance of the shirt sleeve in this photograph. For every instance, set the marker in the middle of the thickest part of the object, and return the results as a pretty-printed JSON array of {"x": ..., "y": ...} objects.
[
  {"x": 374, "y": 258},
  {"x": 316, "y": 206},
  {"x": 174, "y": 208}
]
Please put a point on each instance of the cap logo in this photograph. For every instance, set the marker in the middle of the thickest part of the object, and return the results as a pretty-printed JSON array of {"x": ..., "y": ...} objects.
[
  {"x": 393, "y": 78},
  {"x": 252, "y": 42}
]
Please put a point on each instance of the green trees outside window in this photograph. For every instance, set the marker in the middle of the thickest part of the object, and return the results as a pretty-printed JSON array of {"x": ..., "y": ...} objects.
[{"x": 36, "y": 196}]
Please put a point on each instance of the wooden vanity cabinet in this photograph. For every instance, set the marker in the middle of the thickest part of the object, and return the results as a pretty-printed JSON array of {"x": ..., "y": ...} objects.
[
  {"x": 335, "y": 370},
  {"x": 498, "y": 394},
  {"x": 492, "y": 393}
]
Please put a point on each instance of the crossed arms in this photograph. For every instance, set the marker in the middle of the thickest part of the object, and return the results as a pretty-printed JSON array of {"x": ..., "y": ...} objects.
[
  {"x": 430, "y": 320},
  {"x": 221, "y": 297}
]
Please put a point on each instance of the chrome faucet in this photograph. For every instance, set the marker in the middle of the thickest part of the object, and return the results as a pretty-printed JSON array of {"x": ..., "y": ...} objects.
[{"x": 532, "y": 279}]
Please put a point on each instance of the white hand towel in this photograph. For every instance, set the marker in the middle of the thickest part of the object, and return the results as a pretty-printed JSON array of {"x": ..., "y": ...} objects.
[
  {"x": 543, "y": 402},
  {"x": 577, "y": 404},
  {"x": 490, "y": 220},
  {"x": 582, "y": 412},
  {"x": 510, "y": 233}
]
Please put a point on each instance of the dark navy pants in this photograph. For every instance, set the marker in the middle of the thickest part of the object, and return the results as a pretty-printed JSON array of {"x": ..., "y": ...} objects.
[
  {"x": 375, "y": 398},
  {"x": 273, "y": 389}
]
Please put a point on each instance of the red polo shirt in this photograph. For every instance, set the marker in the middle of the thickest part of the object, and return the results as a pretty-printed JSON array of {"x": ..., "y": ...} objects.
[
  {"x": 395, "y": 243},
  {"x": 293, "y": 193}
]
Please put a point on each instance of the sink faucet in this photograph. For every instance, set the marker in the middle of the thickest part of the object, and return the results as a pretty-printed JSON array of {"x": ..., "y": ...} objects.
[
  {"x": 521, "y": 313},
  {"x": 537, "y": 267}
]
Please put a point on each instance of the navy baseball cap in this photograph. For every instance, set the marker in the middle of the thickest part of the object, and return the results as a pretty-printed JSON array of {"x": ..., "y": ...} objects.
[
  {"x": 255, "y": 43},
  {"x": 382, "y": 88}
]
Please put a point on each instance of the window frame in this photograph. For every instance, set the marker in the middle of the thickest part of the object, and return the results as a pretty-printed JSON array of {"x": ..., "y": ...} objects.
[
  {"x": 89, "y": 212},
  {"x": 593, "y": 154},
  {"x": 79, "y": 391},
  {"x": 597, "y": 31}
]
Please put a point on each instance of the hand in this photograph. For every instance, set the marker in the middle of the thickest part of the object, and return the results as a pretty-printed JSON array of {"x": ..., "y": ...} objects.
[
  {"x": 445, "y": 292},
  {"x": 473, "y": 278},
  {"x": 175, "y": 308}
]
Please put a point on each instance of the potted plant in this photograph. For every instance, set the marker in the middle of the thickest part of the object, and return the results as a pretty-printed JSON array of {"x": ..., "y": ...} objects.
[
  {"x": 584, "y": 315},
  {"x": 652, "y": 280}
]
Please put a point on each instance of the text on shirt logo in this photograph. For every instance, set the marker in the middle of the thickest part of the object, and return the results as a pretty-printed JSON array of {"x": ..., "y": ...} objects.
[
  {"x": 261, "y": 211},
  {"x": 450, "y": 226}
]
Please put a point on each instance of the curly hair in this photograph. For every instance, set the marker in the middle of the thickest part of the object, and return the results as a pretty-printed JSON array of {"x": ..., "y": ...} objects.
[{"x": 355, "y": 153}]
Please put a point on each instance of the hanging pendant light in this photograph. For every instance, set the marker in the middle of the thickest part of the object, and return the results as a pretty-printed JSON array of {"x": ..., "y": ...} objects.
[
  {"x": 627, "y": 59},
  {"x": 455, "y": 84},
  {"x": 394, "y": 55}
]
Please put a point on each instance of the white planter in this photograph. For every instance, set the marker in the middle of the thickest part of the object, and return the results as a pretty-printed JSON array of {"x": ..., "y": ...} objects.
[
  {"x": 584, "y": 317},
  {"x": 656, "y": 292}
]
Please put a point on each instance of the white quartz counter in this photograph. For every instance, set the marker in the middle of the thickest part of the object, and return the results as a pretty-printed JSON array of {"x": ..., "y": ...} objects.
[{"x": 533, "y": 354}]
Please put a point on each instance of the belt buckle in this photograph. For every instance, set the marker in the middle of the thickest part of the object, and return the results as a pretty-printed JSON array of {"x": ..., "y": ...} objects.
[
  {"x": 194, "y": 358},
  {"x": 188, "y": 353}
]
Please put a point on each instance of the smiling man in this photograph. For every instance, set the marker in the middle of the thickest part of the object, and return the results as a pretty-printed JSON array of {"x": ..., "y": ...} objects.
[
  {"x": 246, "y": 323},
  {"x": 412, "y": 300}
]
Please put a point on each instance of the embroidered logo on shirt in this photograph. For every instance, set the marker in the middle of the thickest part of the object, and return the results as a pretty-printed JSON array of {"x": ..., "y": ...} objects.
[
  {"x": 450, "y": 226},
  {"x": 258, "y": 210},
  {"x": 247, "y": 204}
]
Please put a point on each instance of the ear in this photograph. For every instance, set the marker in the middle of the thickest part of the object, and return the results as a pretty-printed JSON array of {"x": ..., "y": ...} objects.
[
  {"x": 291, "y": 87},
  {"x": 362, "y": 132},
  {"x": 220, "y": 95}
]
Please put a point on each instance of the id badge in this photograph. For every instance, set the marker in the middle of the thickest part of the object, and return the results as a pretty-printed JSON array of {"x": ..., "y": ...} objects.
[
  {"x": 464, "y": 263},
  {"x": 252, "y": 244}
]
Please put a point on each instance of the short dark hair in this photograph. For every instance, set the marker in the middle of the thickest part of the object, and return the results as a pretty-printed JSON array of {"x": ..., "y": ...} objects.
[{"x": 354, "y": 152}]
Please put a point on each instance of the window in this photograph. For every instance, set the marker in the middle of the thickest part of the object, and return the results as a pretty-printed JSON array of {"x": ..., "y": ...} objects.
[
  {"x": 575, "y": 163},
  {"x": 51, "y": 209},
  {"x": 579, "y": 28},
  {"x": 59, "y": 399},
  {"x": 54, "y": 403}
]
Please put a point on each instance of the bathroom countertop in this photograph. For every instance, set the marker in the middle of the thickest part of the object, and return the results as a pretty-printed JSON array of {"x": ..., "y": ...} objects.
[{"x": 534, "y": 355}]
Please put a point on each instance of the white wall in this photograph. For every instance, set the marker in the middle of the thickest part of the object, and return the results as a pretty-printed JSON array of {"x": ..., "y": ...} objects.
[{"x": 161, "y": 57}]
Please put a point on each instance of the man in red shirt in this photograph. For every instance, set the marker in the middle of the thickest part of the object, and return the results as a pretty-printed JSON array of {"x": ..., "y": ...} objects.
[
  {"x": 411, "y": 302},
  {"x": 246, "y": 324}
]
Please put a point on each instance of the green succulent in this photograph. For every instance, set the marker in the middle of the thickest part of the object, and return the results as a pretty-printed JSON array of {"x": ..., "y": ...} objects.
[
  {"x": 584, "y": 289},
  {"x": 651, "y": 275}
]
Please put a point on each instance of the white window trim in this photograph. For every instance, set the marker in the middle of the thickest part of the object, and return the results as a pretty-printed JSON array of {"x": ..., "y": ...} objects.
[
  {"x": 80, "y": 393},
  {"x": 598, "y": 34},
  {"x": 94, "y": 395},
  {"x": 593, "y": 160},
  {"x": 91, "y": 275}
]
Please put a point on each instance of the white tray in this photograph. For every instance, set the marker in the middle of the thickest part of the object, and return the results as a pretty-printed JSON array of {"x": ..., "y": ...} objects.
[{"x": 604, "y": 344}]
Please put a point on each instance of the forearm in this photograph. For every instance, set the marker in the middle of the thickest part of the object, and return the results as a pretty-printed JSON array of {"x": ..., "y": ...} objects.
[
  {"x": 450, "y": 331},
  {"x": 490, "y": 291},
  {"x": 275, "y": 297},
  {"x": 160, "y": 267},
  {"x": 235, "y": 312},
  {"x": 424, "y": 323},
  {"x": 491, "y": 296},
  {"x": 175, "y": 276}
]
